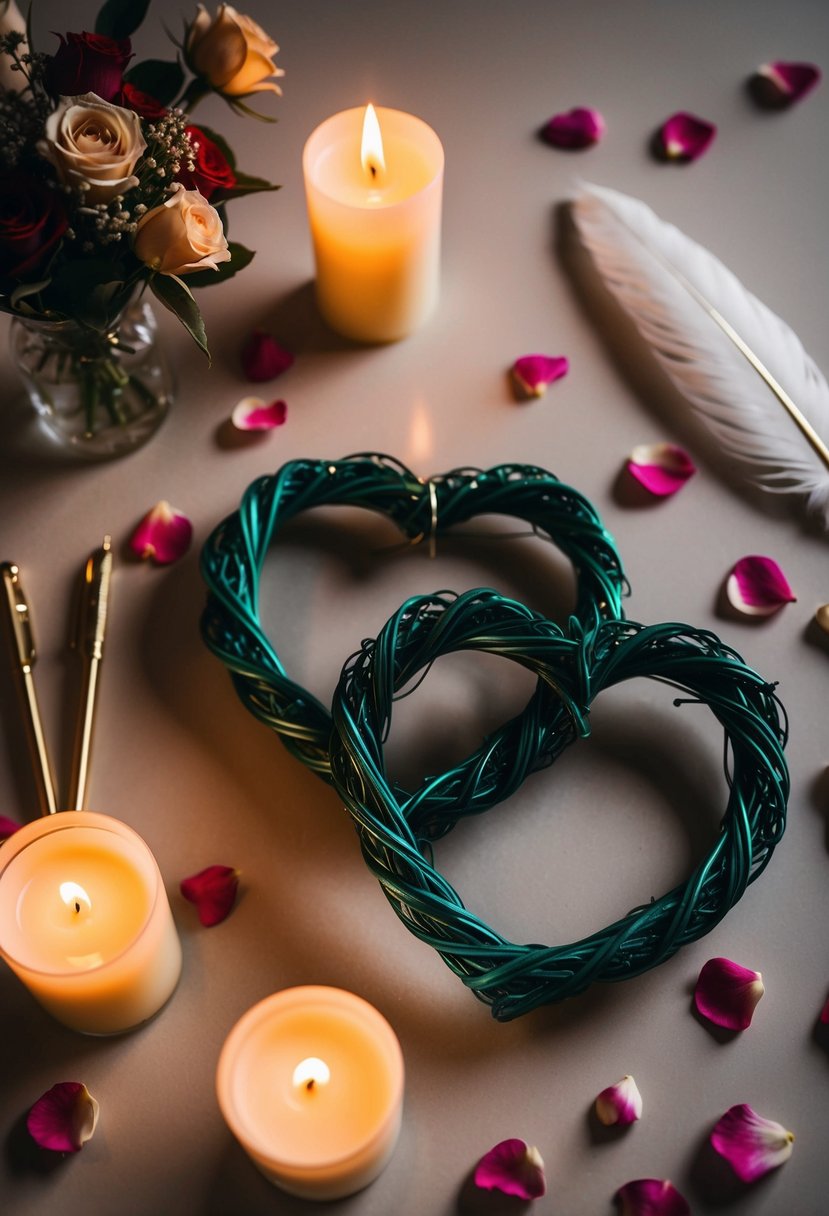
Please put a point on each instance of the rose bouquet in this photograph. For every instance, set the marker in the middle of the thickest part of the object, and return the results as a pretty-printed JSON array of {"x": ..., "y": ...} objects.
[{"x": 109, "y": 189}]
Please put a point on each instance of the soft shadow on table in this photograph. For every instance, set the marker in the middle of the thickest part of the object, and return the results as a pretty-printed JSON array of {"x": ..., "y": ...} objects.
[{"x": 638, "y": 369}]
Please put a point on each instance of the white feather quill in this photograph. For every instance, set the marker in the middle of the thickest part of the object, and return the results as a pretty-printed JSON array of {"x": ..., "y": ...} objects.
[{"x": 739, "y": 366}]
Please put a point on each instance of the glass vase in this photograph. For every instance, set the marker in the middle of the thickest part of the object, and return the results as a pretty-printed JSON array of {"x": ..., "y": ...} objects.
[{"x": 96, "y": 395}]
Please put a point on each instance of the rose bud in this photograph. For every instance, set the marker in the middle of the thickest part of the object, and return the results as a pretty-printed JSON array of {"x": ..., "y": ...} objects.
[
  {"x": 181, "y": 235},
  {"x": 231, "y": 52},
  {"x": 143, "y": 104}
]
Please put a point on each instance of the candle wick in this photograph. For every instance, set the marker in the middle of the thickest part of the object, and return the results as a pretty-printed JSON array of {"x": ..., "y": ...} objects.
[
  {"x": 77, "y": 906},
  {"x": 373, "y": 171},
  {"x": 309, "y": 1084}
]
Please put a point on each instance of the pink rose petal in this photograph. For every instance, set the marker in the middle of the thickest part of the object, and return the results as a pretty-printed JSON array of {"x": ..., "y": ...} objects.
[
  {"x": 213, "y": 891},
  {"x": 619, "y": 1104},
  {"x": 7, "y": 827},
  {"x": 254, "y": 414},
  {"x": 532, "y": 374},
  {"x": 727, "y": 994},
  {"x": 782, "y": 83},
  {"x": 684, "y": 137},
  {"x": 662, "y": 468},
  {"x": 577, "y": 128},
  {"x": 63, "y": 1118},
  {"x": 758, "y": 587},
  {"x": 512, "y": 1167},
  {"x": 651, "y": 1197},
  {"x": 751, "y": 1144},
  {"x": 263, "y": 358},
  {"x": 164, "y": 535}
]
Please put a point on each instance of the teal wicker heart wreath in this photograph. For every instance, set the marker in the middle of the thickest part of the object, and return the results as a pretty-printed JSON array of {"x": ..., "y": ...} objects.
[
  {"x": 397, "y": 827},
  {"x": 234, "y": 555},
  {"x": 395, "y": 834}
]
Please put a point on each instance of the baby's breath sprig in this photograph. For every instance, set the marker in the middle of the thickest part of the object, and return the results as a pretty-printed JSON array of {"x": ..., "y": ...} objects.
[{"x": 168, "y": 151}]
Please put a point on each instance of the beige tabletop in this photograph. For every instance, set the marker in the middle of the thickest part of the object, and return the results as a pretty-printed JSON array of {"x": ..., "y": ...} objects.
[{"x": 621, "y": 817}]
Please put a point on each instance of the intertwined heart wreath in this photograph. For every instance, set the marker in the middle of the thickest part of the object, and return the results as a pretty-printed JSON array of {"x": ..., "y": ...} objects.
[{"x": 598, "y": 650}]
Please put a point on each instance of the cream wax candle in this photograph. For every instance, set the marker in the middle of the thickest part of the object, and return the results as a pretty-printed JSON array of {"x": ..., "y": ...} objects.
[
  {"x": 373, "y": 186},
  {"x": 85, "y": 922},
  {"x": 310, "y": 1081}
]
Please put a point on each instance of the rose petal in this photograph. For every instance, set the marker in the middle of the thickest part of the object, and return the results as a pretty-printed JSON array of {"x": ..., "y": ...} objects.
[
  {"x": 662, "y": 468},
  {"x": 751, "y": 1144},
  {"x": 822, "y": 617},
  {"x": 164, "y": 535},
  {"x": 213, "y": 891},
  {"x": 824, "y": 1013},
  {"x": 254, "y": 414},
  {"x": 651, "y": 1197},
  {"x": 7, "y": 827},
  {"x": 512, "y": 1167},
  {"x": 577, "y": 128},
  {"x": 532, "y": 374},
  {"x": 684, "y": 137},
  {"x": 758, "y": 587},
  {"x": 782, "y": 83},
  {"x": 727, "y": 994},
  {"x": 263, "y": 358},
  {"x": 64, "y": 1118},
  {"x": 619, "y": 1104}
]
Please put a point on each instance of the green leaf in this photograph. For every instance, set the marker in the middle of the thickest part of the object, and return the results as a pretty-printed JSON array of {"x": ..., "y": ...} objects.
[
  {"x": 27, "y": 289},
  {"x": 120, "y": 18},
  {"x": 241, "y": 108},
  {"x": 161, "y": 78},
  {"x": 89, "y": 291},
  {"x": 247, "y": 185},
  {"x": 175, "y": 296},
  {"x": 240, "y": 257}
]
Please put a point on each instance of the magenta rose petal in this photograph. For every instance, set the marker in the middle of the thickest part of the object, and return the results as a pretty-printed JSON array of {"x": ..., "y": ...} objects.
[
  {"x": 578, "y": 128},
  {"x": 651, "y": 1197},
  {"x": 727, "y": 994},
  {"x": 751, "y": 1144},
  {"x": 662, "y": 468},
  {"x": 512, "y": 1167},
  {"x": 684, "y": 137},
  {"x": 783, "y": 83},
  {"x": 64, "y": 1118},
  {"x": 619, "y": 1104},
  {"x": 254, "y": 414},
  {"x": 263, "y": 358},
  {"x": 163, "y": 535},
  {"x": 758, "y": 587},
  {"x": 824, "y": 1013},
  {"x": 213, "y": 891},
  {"x": 533, "y": 374},
  {"x": 7, "y": 827}
]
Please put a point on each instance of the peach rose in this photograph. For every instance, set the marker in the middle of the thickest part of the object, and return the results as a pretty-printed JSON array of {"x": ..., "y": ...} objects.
[
  {"x": 90, "y": 140},
  {"x": 184, "y": 234},
  {"x": 232, "y": 52}
]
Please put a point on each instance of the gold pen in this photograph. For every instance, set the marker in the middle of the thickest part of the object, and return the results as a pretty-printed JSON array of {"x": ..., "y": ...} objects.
[
  {"x": 89, "y": 642},
  {"x": 24, "y": 646}
]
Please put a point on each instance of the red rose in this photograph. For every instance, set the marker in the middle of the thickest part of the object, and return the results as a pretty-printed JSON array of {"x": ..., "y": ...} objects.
[
  {"x": 212, "y": 171},
  {"x": 144, "y": 105},
  {"x": 88, "y": 63},
  {"x": 32, "y": 221}
]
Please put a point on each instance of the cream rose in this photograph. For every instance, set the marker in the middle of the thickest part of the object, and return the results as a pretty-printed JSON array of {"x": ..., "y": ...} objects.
[
  {"x": 185, "y": 233},
  {"x": 232, "y": 52},
  {"x": 90, "y": 140}
]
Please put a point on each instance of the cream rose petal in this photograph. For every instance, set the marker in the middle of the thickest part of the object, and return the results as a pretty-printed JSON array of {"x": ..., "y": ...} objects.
[{"x": 619, "y": 1104}]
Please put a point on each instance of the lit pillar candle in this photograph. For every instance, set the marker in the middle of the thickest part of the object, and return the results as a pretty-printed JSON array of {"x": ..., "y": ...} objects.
[
  {"x": 310, "y": 1081},
  {"x": 85, "y": 922},
  {"x": 374, "y": 207}
]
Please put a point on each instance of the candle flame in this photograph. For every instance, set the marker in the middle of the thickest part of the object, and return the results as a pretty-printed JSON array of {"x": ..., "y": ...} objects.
[
  {"x": 311, "y": 1073},
  {"x": 74, "y": 896},
  {"x": 371, "y": 149}
]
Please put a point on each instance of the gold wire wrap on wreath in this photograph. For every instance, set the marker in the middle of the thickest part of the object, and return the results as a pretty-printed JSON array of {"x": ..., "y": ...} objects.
[
  {"x": 396, "y": 830},
  {"x": 233, "y": 557}
]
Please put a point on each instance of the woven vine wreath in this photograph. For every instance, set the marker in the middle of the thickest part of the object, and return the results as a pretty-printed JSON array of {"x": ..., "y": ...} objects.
[
  {"x": 396, "y": 833},
  {"x": 234, "y": 554}
]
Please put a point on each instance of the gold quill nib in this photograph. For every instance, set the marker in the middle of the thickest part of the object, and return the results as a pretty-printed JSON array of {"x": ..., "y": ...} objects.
[
  {"x": 25, "y": 654},
  {"x": 89, "y": 642}
]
